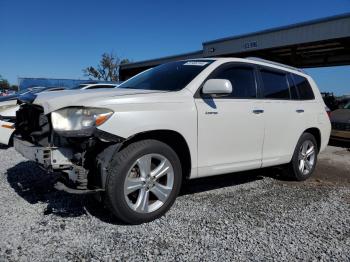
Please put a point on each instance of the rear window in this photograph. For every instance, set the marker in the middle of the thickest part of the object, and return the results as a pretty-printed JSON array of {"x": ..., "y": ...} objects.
[
  {"x": 303, "y": 87},
  {"x": 275, "y": 84}
]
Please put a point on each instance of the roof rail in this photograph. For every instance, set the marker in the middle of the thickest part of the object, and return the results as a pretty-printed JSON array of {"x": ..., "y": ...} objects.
[{"x": 258, "y": 59}]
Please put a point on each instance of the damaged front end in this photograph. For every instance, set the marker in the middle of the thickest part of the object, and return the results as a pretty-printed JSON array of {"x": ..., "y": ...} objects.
[{"x": 81, "y": 156}]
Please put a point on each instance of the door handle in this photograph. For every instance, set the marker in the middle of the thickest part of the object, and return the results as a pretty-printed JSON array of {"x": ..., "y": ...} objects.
[
  {"x": 258, "y": 111},
  {"x": 300, "y": 110}
]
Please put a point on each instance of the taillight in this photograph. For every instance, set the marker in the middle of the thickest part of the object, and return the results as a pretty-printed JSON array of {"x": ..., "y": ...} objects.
[{"x": 328, "y": 111}]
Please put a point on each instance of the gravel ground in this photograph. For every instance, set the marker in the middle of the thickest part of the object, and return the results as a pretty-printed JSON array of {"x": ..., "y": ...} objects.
[{"x": 245, "y": 216}]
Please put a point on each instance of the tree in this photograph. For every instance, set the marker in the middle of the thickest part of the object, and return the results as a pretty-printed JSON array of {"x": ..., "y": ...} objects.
[
  {"x": 14, "y": 87},
  {"x": 4, "y": 84},
  {"x": 107, "y": 69}
]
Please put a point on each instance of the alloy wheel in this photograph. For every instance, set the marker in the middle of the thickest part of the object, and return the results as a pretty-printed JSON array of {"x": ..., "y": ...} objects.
[
  {"x": 149, "y": 183},
  {"x": 306, "y": 157}
]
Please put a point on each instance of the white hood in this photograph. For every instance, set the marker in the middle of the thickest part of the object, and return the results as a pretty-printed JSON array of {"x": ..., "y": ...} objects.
[{"x": 55, "y": 100}]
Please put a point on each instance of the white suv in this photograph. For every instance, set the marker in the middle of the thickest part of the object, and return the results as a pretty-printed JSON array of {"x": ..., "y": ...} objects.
[{"x": 184, "y": 119}]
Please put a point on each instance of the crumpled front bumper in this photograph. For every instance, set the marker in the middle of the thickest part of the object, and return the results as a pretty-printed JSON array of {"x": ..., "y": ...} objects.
[{"x": 51, "y": 158}]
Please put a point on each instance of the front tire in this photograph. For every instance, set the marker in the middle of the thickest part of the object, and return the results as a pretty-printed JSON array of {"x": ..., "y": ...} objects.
[
  {"x": 304, "y": 159},
  {"x": 143, "y": 181}
]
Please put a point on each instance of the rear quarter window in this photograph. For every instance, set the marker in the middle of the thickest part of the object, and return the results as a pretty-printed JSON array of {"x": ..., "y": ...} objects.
[{"x": 303, "y": 87}]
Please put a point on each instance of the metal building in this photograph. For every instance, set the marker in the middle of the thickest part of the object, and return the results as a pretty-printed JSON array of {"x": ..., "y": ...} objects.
[{"x": 316, "y": 43}]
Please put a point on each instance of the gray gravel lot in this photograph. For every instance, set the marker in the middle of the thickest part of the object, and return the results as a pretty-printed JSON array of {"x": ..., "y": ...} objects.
[{"x": 245, "y": 216}]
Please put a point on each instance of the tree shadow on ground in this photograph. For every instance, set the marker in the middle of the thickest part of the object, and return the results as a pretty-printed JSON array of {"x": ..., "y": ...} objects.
[{"x": 37, "y": 186}]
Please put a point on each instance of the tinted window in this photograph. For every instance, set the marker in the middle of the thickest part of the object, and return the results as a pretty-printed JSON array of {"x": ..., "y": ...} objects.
[
  {"x": 304, "y": 88},
  {"x": 293, "y": 89},
  {"x": 168, "y": 77},
  {"x": 242, "y": 80},
  {"x": 275, "y": 84}
]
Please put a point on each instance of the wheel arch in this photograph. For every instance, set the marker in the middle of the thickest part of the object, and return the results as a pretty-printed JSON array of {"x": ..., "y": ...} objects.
[
  {"x": 173, "y": 139},
  {"x": 317, "y": 134}
]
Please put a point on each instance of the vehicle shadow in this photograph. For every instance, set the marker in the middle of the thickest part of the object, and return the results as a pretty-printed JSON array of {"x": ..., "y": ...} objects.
[
  {"x": 2, "y": 146},
  {"x": 233, "y": 179},
  {"x": 37, "y": 186}
]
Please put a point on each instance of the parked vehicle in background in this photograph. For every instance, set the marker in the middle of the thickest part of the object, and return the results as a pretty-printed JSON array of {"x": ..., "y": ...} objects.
[
  {"x": 8, "y": 108},
  {"x": 340, "y": 120},
  {"x": 330, "y": 100},
  {"x": 343, "y": 101},
  {"x": 180, "y": 120},
  {"x": 6, "y": 93},
  {"x": 94, "y": 86}
]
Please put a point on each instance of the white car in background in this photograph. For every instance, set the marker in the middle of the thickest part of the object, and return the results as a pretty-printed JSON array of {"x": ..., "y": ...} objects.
[
  {"x": 8, "y": 108},
  {"x": 94, "y": 86}
]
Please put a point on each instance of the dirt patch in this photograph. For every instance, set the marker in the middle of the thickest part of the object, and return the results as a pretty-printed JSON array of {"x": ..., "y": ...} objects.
[
  {"x": 329, "y": 172},
  {"x": 333, "y": 169}
]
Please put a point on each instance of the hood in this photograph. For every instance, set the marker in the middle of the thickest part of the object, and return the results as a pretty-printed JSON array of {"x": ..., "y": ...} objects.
[
  {"x": 340, "y": 116},
  {"x": 55, "y": 100}
]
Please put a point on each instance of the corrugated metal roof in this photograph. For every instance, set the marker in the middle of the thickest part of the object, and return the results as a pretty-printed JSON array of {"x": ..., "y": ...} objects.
[
  {"x": 204, "y": 52},
  {"x": 149, "y": 62},
  {"x": 311, "y": 22}
]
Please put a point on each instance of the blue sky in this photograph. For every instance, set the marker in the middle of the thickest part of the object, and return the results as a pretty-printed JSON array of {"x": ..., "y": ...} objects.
[{"x": 59, "y": 38}]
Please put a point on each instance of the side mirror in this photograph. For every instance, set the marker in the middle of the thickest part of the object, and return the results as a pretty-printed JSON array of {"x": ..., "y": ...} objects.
[{"x": 217, "y": 87}]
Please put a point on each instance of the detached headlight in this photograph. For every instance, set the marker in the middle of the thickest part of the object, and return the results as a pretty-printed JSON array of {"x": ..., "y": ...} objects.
[{"x": 79, "y": 118}]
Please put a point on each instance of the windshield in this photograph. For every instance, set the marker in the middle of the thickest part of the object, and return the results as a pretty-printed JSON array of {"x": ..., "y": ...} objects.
[{"x": 172, "y": 76}]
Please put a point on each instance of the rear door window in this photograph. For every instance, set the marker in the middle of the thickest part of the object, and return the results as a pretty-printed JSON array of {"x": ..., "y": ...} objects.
[{"x": 275, "y": 84}]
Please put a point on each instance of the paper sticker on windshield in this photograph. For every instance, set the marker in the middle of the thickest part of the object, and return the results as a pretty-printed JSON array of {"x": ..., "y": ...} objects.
[{"x": 196, "y": 63}]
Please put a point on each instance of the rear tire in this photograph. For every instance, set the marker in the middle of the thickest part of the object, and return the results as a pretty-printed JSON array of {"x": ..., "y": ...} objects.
[
  {"x": 143, "y": 181},
  {"x": 304, "y": 159}
]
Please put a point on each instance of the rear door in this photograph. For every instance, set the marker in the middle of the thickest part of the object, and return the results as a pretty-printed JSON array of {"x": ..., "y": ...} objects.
[
  {"x": 230, "y": 128},
  {"x": 283, "y": 116}
]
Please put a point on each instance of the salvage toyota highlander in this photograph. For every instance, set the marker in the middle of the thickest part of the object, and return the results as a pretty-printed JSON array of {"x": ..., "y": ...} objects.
[{"x": 181, "y": 120}]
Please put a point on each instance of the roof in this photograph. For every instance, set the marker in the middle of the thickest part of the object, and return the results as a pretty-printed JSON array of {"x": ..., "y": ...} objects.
[
  {"x": 310, "y": 22},
  {"x": 327, "y": 35}
]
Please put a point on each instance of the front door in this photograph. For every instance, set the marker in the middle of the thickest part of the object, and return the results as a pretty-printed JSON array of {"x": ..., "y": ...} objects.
[{"x": 230, "y": 128}]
